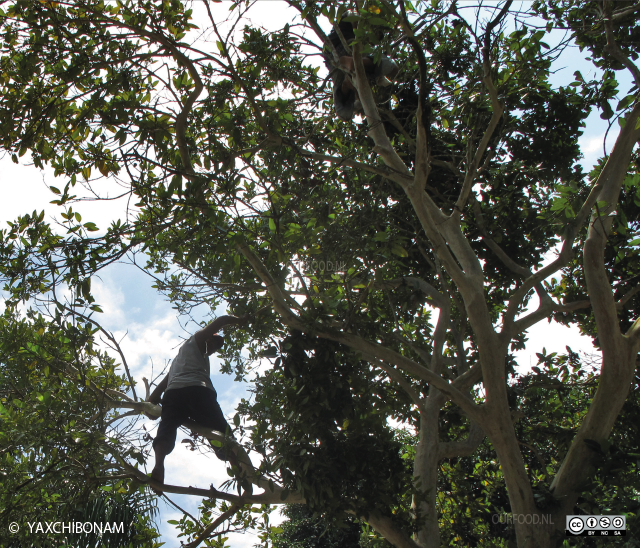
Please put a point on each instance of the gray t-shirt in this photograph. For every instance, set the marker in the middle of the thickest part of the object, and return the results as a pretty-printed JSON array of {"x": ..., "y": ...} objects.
[{"x": 190, "y": 367}]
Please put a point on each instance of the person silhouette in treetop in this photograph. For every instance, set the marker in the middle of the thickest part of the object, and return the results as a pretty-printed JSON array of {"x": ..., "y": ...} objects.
[
  {"x": 345, "y": 94},
  {"x": 189, "y": 394}
]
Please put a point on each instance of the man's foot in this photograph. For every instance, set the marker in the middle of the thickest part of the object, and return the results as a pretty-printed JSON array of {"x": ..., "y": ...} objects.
[{"x": 158, "y": 475}]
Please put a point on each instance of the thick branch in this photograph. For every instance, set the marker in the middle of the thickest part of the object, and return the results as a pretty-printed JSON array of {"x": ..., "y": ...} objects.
[
  {"x": 376, "y": 128},
  {"x": 613, "y": 48},
  {"x": 469, "y": 378},
  {"x": 624, "y": 12},
  {"x": 423, "y": 118},
  {"x": 357, "y": 343},
  {"x": 386, "y": 171},
  {"x": 545, "y": 309},
  {"x": 463, "y": 448},
  {"x": 279, "y": 301},
  {"x": 614, "y": 170},
  {"x": 390, "y": 531}
]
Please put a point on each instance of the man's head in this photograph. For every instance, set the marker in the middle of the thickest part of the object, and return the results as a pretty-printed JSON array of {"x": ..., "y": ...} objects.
[{"x": 214, "y": 343}]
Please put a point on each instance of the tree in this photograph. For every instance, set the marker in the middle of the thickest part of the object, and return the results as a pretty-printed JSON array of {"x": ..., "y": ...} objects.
[
  {"x": 53, "y": 465},
  {"x": 249, "y": 191}
]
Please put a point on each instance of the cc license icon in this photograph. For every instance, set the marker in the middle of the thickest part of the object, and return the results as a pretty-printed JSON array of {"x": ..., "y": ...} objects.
[{"x": 576, "y": 525}]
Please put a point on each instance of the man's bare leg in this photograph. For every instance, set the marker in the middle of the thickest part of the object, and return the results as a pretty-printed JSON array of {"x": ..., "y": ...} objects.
[{"x": 158, "y": 470}]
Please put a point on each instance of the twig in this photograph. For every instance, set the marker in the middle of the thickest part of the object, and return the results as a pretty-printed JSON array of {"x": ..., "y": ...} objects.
[{"x": 206, "y": 532}]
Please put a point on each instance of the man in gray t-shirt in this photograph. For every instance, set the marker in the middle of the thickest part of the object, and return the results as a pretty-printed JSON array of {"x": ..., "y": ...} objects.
[{"x": 189, "y": 394}]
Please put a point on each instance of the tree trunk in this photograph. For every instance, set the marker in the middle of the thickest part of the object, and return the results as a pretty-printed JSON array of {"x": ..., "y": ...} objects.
[{"x": 425, "y": 471}]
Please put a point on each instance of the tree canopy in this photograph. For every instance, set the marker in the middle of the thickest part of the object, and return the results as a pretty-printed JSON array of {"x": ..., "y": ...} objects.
[{"x": 389, "y": 262}]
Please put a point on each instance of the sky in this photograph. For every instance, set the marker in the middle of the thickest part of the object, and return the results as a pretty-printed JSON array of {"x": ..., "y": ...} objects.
[{"x": 150, "y": 330}]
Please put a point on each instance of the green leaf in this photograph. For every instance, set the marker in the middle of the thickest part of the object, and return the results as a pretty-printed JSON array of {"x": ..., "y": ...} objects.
[
  {"x": 399, "y": 250},
  {"x": 625, "y": 102}
]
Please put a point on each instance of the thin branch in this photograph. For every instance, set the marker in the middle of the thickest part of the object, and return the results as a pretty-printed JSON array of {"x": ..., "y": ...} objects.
[
  {"x": 491, "y": 244},
  {"x": 627, "y": 296},
  {"x": 117, "y": 349},
  {"x": 211, "y": 493},
  {"x": 537, "y": 454},
  {"x": 496, "y": 115},
  {"x": 397, "y": 377},
  {"x": 209, "y": 529}
]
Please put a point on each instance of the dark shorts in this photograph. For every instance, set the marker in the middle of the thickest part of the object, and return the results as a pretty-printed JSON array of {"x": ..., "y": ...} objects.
[{"x": 196, "y": 403}]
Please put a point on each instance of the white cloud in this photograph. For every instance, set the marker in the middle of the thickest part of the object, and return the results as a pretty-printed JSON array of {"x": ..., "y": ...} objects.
[
  {"x": 111, "y": 300},
  {"x": 591, "y": 145},
  {"x": 553, "y": 337},
  {"x": 25, "y": 189}
]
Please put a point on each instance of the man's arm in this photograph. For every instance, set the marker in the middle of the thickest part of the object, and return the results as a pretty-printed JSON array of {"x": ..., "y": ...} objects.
[
  {"x": 156, "y": 395},
  {"x": 216, "y": 325}
]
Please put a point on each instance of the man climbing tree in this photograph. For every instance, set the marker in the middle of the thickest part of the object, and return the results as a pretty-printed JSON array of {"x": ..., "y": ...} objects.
[
  {"x": 189, "y": 394},
  {"x": 345, "y": 94}
]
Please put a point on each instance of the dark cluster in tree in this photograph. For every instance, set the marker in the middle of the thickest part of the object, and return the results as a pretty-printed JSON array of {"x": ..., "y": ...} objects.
[
  {"x": 546, "y": 134},
  {"x": 304, "y": 529},
  {"x": 342, "y": 455}
]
